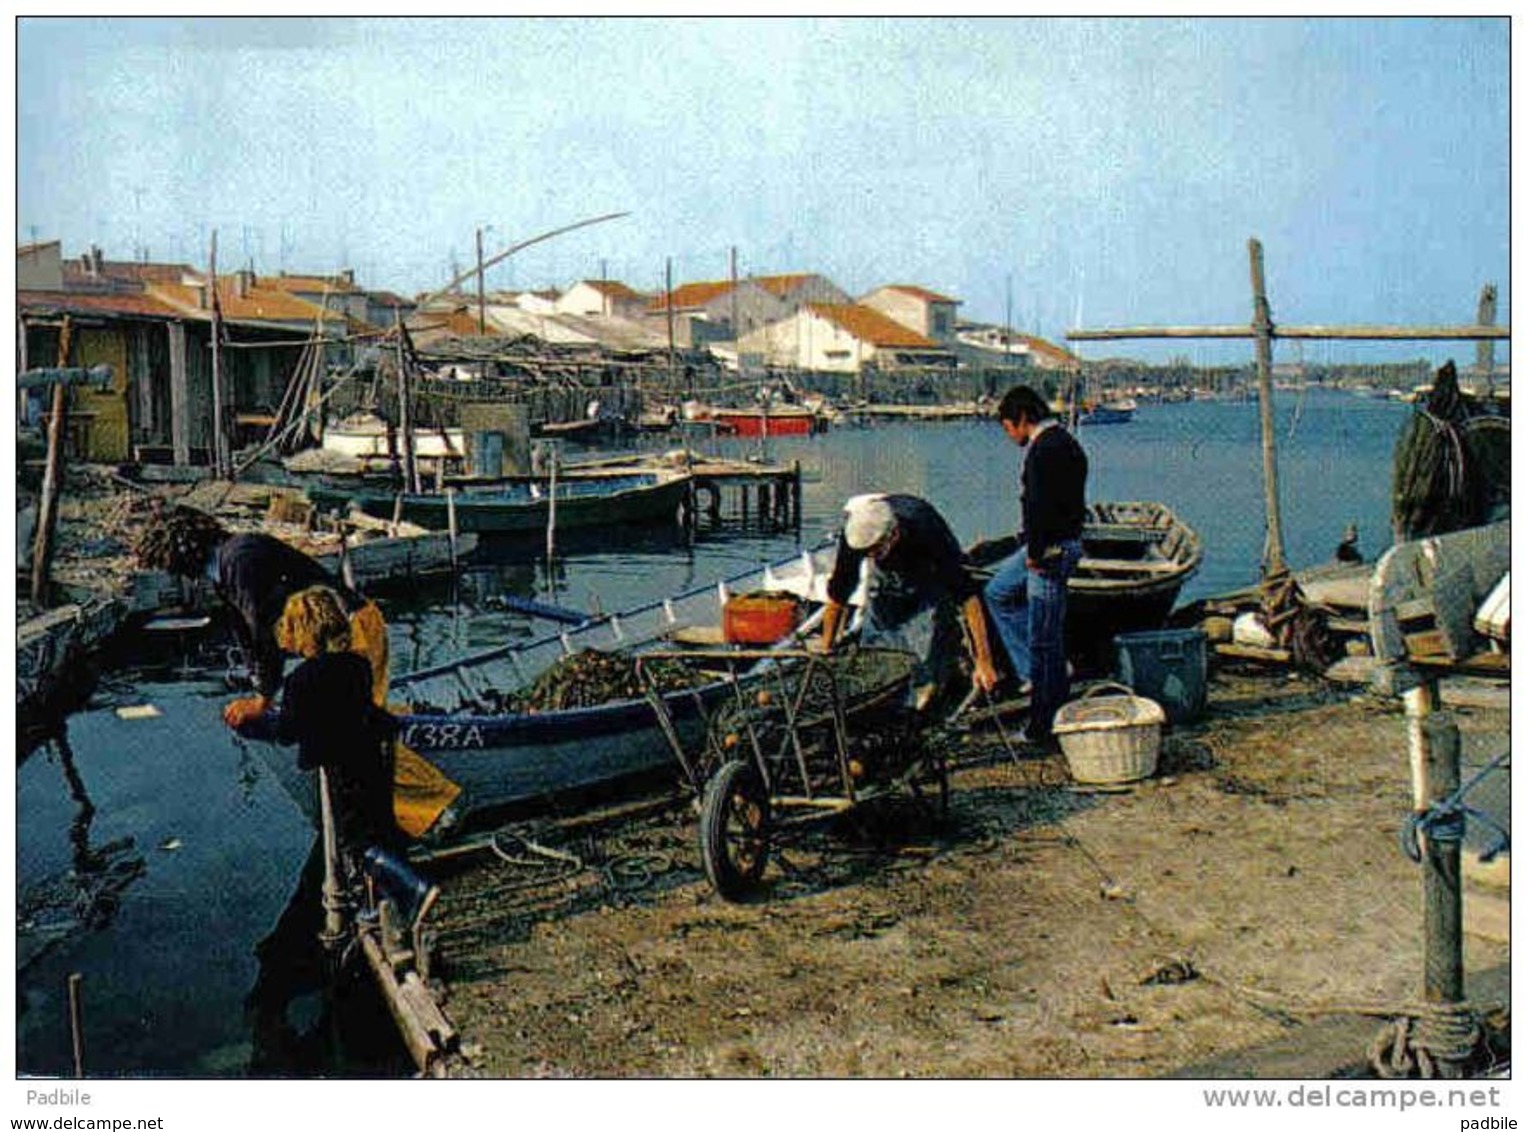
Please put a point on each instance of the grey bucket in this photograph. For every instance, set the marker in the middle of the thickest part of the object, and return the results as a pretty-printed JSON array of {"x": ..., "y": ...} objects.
[{"x": 1170, "y": 666}]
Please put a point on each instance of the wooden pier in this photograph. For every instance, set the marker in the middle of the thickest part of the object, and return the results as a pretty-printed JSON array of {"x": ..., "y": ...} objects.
[{"x": 724, "y": 491}]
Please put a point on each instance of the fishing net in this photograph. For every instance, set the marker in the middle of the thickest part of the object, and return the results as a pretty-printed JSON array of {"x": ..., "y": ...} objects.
[
  {"x": 1452, "y": 466},
  {"x": 589, "y": 678}
]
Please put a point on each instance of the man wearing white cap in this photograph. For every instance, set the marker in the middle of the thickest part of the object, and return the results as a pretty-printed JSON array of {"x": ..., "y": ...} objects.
[{"x": 920, "y": 589}]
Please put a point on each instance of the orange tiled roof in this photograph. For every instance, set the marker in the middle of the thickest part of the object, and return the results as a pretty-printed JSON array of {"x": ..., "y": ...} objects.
[
  {"x": 781, "y": 285},
  {"x": 75, "y": 272},
  {"x": 259, "y": 304},
  {"x": 334, "y": 284},
  {"x": 1058, "y": 355},
  {"x": 98, "y": 302},
  {"x": 922, "y": 293},
  {"x": 870, "y": 325},
  {"x": 458, "y": 321},
  {"x": 691, "y": 295}
]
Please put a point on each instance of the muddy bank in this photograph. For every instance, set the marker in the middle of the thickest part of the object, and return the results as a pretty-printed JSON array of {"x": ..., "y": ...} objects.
[{"x": 1251, "y": 890}]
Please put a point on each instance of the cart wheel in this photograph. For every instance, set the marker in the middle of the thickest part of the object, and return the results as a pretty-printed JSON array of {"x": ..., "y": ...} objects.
[{"x": 734, "y": 829}]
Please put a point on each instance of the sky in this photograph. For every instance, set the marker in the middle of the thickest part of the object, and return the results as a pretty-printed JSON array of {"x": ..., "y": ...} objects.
[{"x": 1101, "y": 172}]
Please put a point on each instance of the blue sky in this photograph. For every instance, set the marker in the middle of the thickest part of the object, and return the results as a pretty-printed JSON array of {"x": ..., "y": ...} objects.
[{"x": 1106, "y": 168}]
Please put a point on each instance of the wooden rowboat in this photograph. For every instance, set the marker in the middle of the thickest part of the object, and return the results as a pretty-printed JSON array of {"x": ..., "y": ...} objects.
[{"x": 1136, "y": 557}]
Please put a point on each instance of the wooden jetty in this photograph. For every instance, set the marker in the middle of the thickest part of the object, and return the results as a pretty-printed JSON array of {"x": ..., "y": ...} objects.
[
  {"x": 724, "y": 490},
  {"x": 916, "y": 412}
]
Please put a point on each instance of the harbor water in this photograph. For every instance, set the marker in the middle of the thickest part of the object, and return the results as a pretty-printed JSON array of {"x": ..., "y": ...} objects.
[{"x": 155, "y": 849}]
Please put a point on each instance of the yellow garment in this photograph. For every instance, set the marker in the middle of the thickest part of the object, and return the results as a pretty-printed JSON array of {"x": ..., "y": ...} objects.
[{"x": 420, "y": 791}]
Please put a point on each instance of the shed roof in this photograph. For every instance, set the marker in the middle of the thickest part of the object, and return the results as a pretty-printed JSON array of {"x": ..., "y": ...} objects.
[
  {"x": 688, "y": 296},
  {"x": 127, "y": 304}
]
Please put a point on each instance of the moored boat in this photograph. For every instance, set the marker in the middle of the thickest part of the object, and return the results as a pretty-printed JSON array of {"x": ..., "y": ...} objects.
[
  {"x": 524, "y": 503},
  {"x": 1109, "y": 412},
  {"x": 776, "y": 420},
  {"x": 1136, "y": 557},
  {"x": 458, "y": 714}
]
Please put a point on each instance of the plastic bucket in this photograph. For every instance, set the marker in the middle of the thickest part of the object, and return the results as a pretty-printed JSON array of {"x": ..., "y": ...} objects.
[
  {"x": 1170, "y": 666},
  {"x": 759, "y": 619}
]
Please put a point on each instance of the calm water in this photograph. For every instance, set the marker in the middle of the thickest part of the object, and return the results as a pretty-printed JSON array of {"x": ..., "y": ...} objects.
[{"x": 202, "y": 848}]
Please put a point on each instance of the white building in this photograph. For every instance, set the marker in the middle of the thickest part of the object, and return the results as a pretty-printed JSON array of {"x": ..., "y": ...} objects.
[
  {"x": 917, "y": 308},
  {"x": 842, "y": 338}
]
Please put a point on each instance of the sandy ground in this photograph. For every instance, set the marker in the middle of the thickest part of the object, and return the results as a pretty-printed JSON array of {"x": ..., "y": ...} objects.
[{"x": 1250, "y": 891}]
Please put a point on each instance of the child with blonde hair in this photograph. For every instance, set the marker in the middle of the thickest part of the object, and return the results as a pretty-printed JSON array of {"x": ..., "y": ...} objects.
[{"x": 327, "y": 710}]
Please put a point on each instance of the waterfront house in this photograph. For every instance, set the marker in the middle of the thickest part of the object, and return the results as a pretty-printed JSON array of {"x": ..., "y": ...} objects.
[
  {"x": 152, "y": 323},
  {"x": 594, "y": 298},
  {"x": 704, "y": 312},
  {"x": 930, "y": 314},
  {"x": 843, "y": 338}
]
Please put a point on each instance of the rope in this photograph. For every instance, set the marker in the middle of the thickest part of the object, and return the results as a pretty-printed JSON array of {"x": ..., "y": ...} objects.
[
  {"x": 1444, "y": 820},
  {"x": 1414, "y": 1045}
]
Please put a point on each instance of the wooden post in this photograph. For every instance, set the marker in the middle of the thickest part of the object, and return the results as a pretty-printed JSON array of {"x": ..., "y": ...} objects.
[
  {"x": 333, "y": 894},
  {"x": 77, "y": 1021},
  {"x": 551, "y": 504},
  {"x": 668, "y": 302},
  {"x": 219, "y": 437},
  {"x": 52, "y": 477},
  {"x": 405, "y": 421},
  {"x": 180, "y": 397},
  {"x": 1484, "y": 350},
  {"x": 1261, "y": 323},
  {"x": 1442, "y": 894},
  {"x": 482, "y": 300},
  {"x": 450, "y": 516}
]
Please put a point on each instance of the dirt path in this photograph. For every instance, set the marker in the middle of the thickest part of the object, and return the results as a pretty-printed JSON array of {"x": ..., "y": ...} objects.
[{"x": 1041, "y": 932}]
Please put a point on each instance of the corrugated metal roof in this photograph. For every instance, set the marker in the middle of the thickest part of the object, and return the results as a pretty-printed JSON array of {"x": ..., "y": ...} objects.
[
  {"x": 870, "y": 325},
  {"x": 128, "y": 304}
]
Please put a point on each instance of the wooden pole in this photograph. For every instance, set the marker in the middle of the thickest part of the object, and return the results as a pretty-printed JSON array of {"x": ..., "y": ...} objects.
[
  {"x": 1442, "y": 895},
  {"x": 1272, "y": 555},
  {"x": 668, "y": 302},
  {"x": 551, "y": 504},
  {"x": 1484, "y": 351},
  {"x": 77, "y": 1021},
  {"x": 52, "y": 477},
  {"x": 405, "y": 421},
  {"x": 219, "y": 440},
  {"x": 450, "y": 515},
  {"x": 482, "y": 302},
  {"x": 1333, "y": 333},
  {"x": 333, "y": 893}
]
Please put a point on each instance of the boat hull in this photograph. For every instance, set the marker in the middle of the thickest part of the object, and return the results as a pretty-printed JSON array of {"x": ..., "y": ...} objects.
[
  {"x": 501, "y": 760},
  {"x": 748, "y": 423},
  {"x": 578, "y": 505}
]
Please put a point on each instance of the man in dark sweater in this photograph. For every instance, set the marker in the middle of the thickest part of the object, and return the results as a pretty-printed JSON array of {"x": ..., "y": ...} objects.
[
  {"x": 1027, "y": 591},
  {"x": 919, "y": 590}
]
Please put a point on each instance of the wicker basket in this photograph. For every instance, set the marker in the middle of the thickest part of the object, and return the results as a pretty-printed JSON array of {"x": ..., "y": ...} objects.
[{"x": 1110, "y": 738}]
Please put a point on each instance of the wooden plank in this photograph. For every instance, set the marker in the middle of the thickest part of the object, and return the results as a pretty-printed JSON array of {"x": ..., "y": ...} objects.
[
  {"x": 1125, "y": 566},
  {"x": 1254, "y": 652}
]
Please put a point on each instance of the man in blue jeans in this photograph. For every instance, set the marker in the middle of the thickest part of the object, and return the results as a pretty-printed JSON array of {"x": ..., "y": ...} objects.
[{"x": 1026, "y": 595}]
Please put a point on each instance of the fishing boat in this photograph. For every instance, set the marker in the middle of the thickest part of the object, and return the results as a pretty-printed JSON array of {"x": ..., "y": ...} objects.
[
  {"x": 454, "y": 714},
  {"x": 1136, "y": 556},
  {"x": 523, "y": 504},
  {"x": 367, "y": 436},
  {"x": 1109, "y": 412},
  {"x": 775, "y": 420}
]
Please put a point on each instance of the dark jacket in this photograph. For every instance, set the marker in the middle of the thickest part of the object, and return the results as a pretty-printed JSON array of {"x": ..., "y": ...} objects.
[
  {"x": 1053, "y": 489},
  {"x": 255, "y": 574},
  {"x": 326, "y": 709},
  {"x": 925, "y": 559}
]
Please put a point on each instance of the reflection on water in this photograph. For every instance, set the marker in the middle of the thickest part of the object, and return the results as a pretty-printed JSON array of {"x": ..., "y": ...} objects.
[{"x": 188, "y": 852}]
